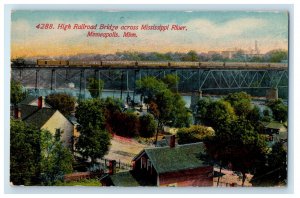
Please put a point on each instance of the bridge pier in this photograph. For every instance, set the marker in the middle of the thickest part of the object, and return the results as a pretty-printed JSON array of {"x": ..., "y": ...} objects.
[
  {"x": 272, "y": 94},
  {"x": 37, "y": 76},
  {"x": 52, "y": 75}
]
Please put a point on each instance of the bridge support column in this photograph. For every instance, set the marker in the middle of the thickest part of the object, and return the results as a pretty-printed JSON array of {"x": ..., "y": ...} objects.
[
  {"x": 272, "y": 94},
  {"x": 134, "y": 85},
  {"x": 36, "y": 81},
  {"x": 196, "y": 96},
  {"x": 80, "y": 84},
  {"x": 53, "y": 74},
  {"x": 122, "y": 87},
  {"x": 99, "y": 78}
]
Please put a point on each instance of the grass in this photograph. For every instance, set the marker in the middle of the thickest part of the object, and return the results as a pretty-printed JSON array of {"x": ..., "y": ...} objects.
[{"x": 83, "y": 182}]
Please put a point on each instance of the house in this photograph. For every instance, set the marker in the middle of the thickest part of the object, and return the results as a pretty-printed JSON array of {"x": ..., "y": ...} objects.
[
  {"x": 179, "y": 165},
  {"x": 40, "y": 114},
  {"x": 276, "y": 131}
]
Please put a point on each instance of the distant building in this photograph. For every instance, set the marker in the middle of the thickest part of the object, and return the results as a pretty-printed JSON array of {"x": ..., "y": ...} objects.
[
  {"x": 36, "y": 112},
  {"x": 228, "y": 54},
  {"x": 179, "y": 165}
]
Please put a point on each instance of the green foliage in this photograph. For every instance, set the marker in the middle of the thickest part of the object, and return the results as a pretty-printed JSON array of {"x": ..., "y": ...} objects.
[
  {"x": 56, "y": 160},
  {"x": 166, "y": 106},
  {"x": 254, "y": 116},
  {"x": 274, "y": 169},
  {"x": 240, "y": 101},
  {"x": 236, "y": 141},
  {"x": 241, "y": 146},
  {"x": 277, "y": 56},
  {"x": 36, "y": 157},
  {"x": 95, "y": 87},
  {"x": 16, "y": 92},
  {"x": 83, "y": 182},
  {"x": 89, "y": 113},
  {"x": 171, "y": 81},
  {"x": 24, "y": 153},
  {"x": 266, "y": 116},
  {"x": 93, "y": 143},
  {"x": 219, "y": 115},
  {"x": 195, "y": 133},
  {"x": 277, "y": 160},
  {"x": 125, "y": 124},
  {"x": 62, "y": 102},
  {"x": 111, "y": 106},
  {"x": 279, "y": 110},
  {"x": 191, "y": 56},
  {"x": 149, "y": 87},
  {"x": 147, "y": 125},
  {"x": 201, "y": 109},
  {"x": 94, "y": 140}
]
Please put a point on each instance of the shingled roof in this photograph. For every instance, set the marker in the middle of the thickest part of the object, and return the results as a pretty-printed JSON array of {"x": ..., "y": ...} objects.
[
  {"x": 124, "y": 179},
  {"x": 28, "y": 100},
  {"x": 181, "y": 157},
  {"x": 39, "y": 117}
]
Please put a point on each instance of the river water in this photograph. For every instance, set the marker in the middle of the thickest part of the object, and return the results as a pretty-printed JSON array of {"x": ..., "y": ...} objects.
[{"x": 117, "y": 94}]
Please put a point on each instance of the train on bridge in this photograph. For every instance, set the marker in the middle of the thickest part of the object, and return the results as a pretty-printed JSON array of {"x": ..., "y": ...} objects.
[{"x": 150, "y": 64}]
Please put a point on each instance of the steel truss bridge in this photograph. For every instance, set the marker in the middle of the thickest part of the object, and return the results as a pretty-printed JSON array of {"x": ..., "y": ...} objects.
[{"x": 55, "y": 78}]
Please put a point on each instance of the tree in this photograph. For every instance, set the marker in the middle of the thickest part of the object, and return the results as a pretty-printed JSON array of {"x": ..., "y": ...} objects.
[
  {"x": 166, "y": 106},
  {"x": 241, "y": 102},
  {"x": 266, "y": 116},
  {"x": 279, "y": 110},
  {"x": 111, "y": 106},
  {"x": 254, "y": 116},
  {"x": 147, "y": 125},
  {"x": 56, "y": 160},
  {"x": 36, "y": 157},
  {"x": 277, "y": 56},
  {"x": 219, "y": 115},
  {"x": 16, "y": 92},
  {"x": 191, "y": 56},
  {"x": 171, "y": 81},
  {"x": 201, "y": 109},
  {"x": 95, "y": 87},
  {"x": 125, "y": 124},
  {"x": 94, "y": 140},
  {"x": 24, "y": 153},
  {"x": 240, "y": 146},
  {"x": 274, "y": 169},
  {"x": 62, "y": 102},
  {"x": 247, "y": 148},
  {"x": 93, "y": 143},
  {"x": 195, "y": 133}
]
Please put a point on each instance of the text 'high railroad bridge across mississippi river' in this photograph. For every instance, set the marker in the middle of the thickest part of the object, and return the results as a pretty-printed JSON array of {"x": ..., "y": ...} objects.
[{"x": 121, "y": 75}]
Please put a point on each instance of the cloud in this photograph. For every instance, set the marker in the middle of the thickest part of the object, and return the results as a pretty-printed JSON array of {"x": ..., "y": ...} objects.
[{"x": 236, "y": 27}]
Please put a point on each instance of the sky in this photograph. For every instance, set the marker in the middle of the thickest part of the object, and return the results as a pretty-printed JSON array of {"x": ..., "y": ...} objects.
[{"x": 206, "y": 31}]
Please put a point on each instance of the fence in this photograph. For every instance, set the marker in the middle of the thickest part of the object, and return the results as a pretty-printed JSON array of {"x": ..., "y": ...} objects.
[{"x": 119, "y": 164}]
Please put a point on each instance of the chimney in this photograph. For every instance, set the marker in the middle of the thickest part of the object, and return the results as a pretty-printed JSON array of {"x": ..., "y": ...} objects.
[
  {"x": 112, "y": 167},
  {"x": 17, "y": 113},
  {"x": 172, "y": 141},
  {"x": 40, "y": 102}
]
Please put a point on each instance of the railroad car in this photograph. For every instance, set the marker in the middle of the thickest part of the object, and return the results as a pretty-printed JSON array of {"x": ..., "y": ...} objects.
[
  {"x": 158, "y": 64},
  {"x": 52, "y": 62}
]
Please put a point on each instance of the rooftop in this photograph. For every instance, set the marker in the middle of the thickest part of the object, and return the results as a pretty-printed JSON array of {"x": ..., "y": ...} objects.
[
  {"x": 39, "y": 117},
  {"x": 125, "y": 179},
  {"x": 273, "y": 125},
  {"x": 181, "y": 157}
]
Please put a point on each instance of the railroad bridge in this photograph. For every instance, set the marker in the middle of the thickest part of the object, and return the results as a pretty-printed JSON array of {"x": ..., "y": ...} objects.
[{"x": 208, "y": 77}]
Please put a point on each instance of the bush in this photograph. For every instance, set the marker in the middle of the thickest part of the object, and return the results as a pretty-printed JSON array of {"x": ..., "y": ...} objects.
[
  {"x": 125, "y": 124},
  {"x": 195, "y": 133},
  {"x": 148, "y": 125}
]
